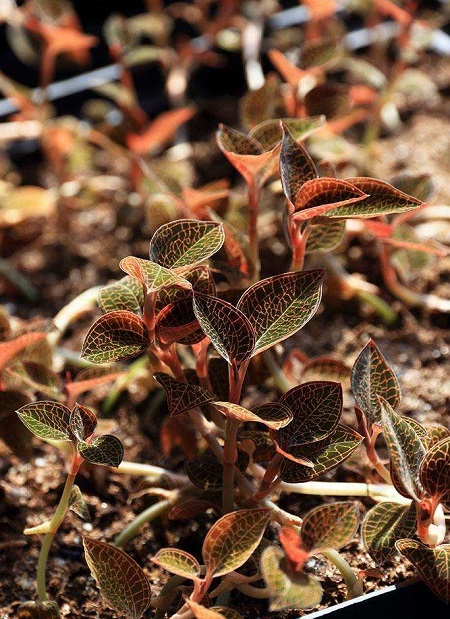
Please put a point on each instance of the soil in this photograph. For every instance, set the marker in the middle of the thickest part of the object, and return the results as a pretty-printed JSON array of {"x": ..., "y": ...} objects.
[{"x": 417, "y": 346}]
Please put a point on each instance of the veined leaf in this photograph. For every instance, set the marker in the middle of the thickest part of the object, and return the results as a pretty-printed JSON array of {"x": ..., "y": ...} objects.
[
  {"x": 78, "y": 505},
  {"x": 406, "y": 452},
  {"x": 259, "y": 105},
  {"x": 178, "y": 562},
  {"x": 371, "y": 377},
  {"x": 433, "y": 565},
  {"x": 215, "y": 612},
  {"x": 229, "y": 330},
  {"x": 105, "y": 450},
  {"x": 200, "y": 279},
  {"x": 330, "y": 526},
  {"x": 185, "y": 243},
  {"x": 288, "y": 590},
  {"x": 257, "y": 443},
  {"x": 271, "y": 415},
  {"x": 153, "y": 276},
  {"x": 383, "y": 525},
  {"x": 114, "y": 337},
  {"x": 296, "y": 166},
  {"x": 269, "y": 134},
  {"x": 325, "y": 236},
  {"x": 206, "y": 472},
  {"x": 435, "y": 469},
  {"x": 293, "y": 298},
  {"x": 383, "y": 199},
  {"x": 37, "y": 376},
  {"x": 92, "y": 377},
  {"x": 232, "y": 539},
  {"x": 324, "y": 455},
  {"x": 316, "y": 408},
  {"x": 11, "y": 348},
  {"x": 82, "y": 422},
  {"x": 177, "y": 323},
  {"x": 190, "y": 508},
  {"x": 326, "y": 368},
  {"x": 182, "y": 397},
  {"x": 47, "y": 420},
  {"x": 119, "y": 297},
  {"x": 322, "y": 196},
  {"x": 121, "y": 581}
]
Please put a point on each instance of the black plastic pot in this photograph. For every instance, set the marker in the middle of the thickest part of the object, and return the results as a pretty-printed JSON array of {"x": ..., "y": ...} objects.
[{"x": 409, "y": 600}]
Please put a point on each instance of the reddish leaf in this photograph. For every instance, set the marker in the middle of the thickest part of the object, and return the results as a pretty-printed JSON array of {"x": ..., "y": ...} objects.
[
  {"x": 82, "y": 422},
  {"x": 160, "y": 131},
  {"x": 296, "y": 166},
  {"x": 11, "y": 348},
  {"x": 435, "y": 469},
  {"x": 326, "y": 196},
  {"x": 330, "y": 526},
  {"x": 182, "y": 397},
  {"x": 273, "y": 415}
]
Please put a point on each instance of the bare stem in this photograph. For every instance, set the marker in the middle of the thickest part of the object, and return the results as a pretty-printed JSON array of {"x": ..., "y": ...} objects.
[
  {"x": 353, "y": 582},
  {"x": 146, "y": 516},
  {"x": 254, "y": 193}
]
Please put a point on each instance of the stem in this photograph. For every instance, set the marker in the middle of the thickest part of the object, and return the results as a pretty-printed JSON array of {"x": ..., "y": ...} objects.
[
  {"x": 254, "y": 192},
  {"x": 354, "y": 584},
  {"x": 148, "y": 515},
  {"x": 299, "y": 240},
  {"x": 251, "y": 591},
  {"x": 383, "y": 309},
  {"x": 157, "y": 473},
  {"x": 279, "y": 377},
  {"x": 55, "y": 523},
  {"x": 229, "y": 461}
]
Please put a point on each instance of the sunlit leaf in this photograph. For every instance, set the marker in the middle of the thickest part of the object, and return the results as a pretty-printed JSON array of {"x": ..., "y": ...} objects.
[
  {"x": 177, "y": 562},
  {"x": 215, "y": 612},
  {"x": 273, "y": 415},
  {"x": 433, "y": 565},
  {"x": 296, "y": 166},
  {"x": 269, "y": 133},
  {"x": 121, "y": 581},
  {"x": 233, "y": 539},
  {"x": 435, "y": 469},
  {"x": 435, "y": 433},
  {"x": 326, "y": 196},
  {"x": 92, "y": 377},
  {"x": 78, "y": 505},
  {"x": 405, "y": 449},
  {"x": 229, "y": 330},
  {"x": 325, "y": 236},
  {"x": 182, "y": 397},
  {"x": 185, "y": 243},
  {"x": 289, "y": 590},
  {"x": 118, "y": 296},
  {"x": 326, "y": 368},
  {"x": 82, "y": 422},
  {"x": 153, "y": 276},
  {"x": 293, "y": 298},
  {"x": 114, "y": 337},
  {"x": 324, "y": 455},
  {"x": 383, "y": 525},
  {"x": 330, "y": 526},
  {"x": 371, "y": 377},
  {"x": 47, "y": 420},
  {"x": 316, "y": 407},
  {"x": 105, "y": 450}
]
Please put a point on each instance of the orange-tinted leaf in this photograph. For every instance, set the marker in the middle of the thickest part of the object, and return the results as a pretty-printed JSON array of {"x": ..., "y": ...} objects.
[
  {"x": 160, "y": 131},
  {"x": 178, "y": 562},
  {"x": 151, "y": 275},
  {"x": 233, "y": 539},
  {"x": 11, "y": 348},
  {"x": 273, "y": 415},
  {"x": 289, "y": 72},
  {"x": 326, "y": 196},
  {"x": 177, "y": 323},
  {"x": 122, "y": 583}
]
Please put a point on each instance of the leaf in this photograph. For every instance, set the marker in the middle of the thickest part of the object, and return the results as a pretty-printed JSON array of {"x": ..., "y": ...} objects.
[
  {"x": 325, "y": 51},
  {"x": 121, "y": 581},
  {"x": 324, "y": 455},
  {"x": 383, "y": 199},
  {"x": 316, "y": 407},
  {"x": 185, "y": 243},
  {"x": 259, "y": 105},
  {"x": 383, "y": 525},
  {"x": 296, "y": 166},
  {"x": 160, "y": 131},
  {"x": 279, "y": 306},
  {"x": 78, "y": 505},
  {"x": 120, "y": 297},
  {"x": 288, "y": 590},
  {"x": 433, "y": 565},
  {"x": 406, "y": 452},
  {"x": 151, "y": 275},
  {"x": 12, "y": 430},
  {"x": 11, "y": 348},
  {"x": 434, "y": 469},
  {"x": 325, "y": 236},
  {"x": 182, "y": 397},
  {"x": 231, "y": 540},
  {"x": 257, "y": 443},
  {"x": 178, "y": 562},
  {"x": 82, "y": 422},
  {"x": 271, "y": 415},
  {"x": 371, "y": 377},
  {"x": 114, "y": 337},
  {"x": 420, "y": 186},
  {"x": 326, "y": 368},
  {"x": 200, "y": 279},
  {"x": 330, "y": 526},
  {"x": 269, "y": 133},
  {"x": 326, "y": 196},
  {"x": 38, "y": 377},
  {"x": 47, "y": 420},
  {"x": 330, "y": 99},
  {"x": 206, "y": 472},
  {"x": 289, "y": 72},
  {"x": 105, "y": 450},
  {"x": 229, "y": 330},
  {"x": 215, "y": 612},
  {"x": 177, "y": 323},
  {"x": 190, "y": 508},
  {"x": 92, "y": 377}
]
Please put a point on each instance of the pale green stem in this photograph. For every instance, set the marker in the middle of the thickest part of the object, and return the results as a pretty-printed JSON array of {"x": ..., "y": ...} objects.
[
  {"x": 85, "y": 302},
  {"x": 279, "y": 377},
  {"x": 354, "y": 584},
  {"x": 157, "y": 473},
  {"x": 251, "y": 591},
  {"x": 148, "y": 515},
  {"x": 54, "y": 525}
]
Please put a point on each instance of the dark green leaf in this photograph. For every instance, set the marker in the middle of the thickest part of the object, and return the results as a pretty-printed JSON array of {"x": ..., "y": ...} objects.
[
  {"x": 433, "y": 565},
  {"x": 105, "y": 450},
  {"x": 383, "y": 525},
  {"x": 181, "y": 396},
  {"x": 330, "y": 526}
]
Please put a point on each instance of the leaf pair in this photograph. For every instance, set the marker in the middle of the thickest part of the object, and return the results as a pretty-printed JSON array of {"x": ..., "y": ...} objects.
[
  {"x": 325, "y": 527},
  {"x": 230, "y": 542},
  {"x": 52, "y": 421},
  {"x": 267, "y": 313}
]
